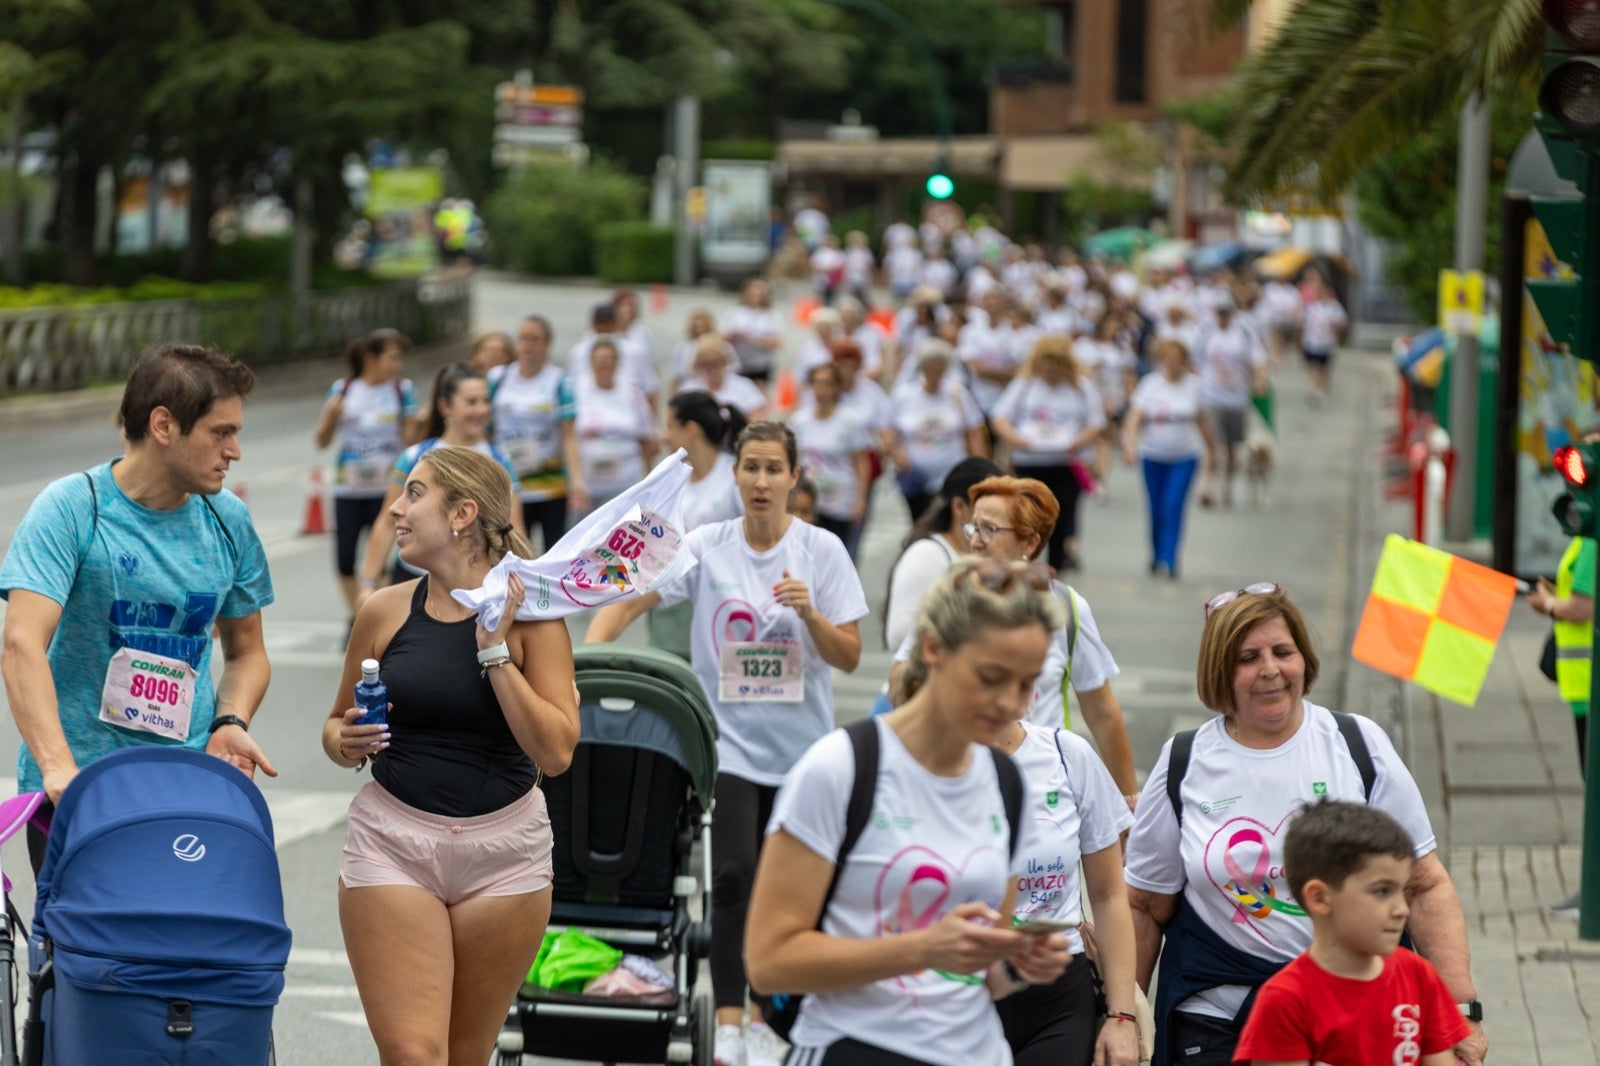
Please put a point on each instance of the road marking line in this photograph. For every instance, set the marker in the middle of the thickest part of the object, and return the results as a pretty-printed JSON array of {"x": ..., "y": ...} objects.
[{"x": 318, "y": 957}]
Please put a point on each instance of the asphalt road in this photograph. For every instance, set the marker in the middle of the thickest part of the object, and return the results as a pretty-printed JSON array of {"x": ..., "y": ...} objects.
[{"x": 1152, "y": 627}]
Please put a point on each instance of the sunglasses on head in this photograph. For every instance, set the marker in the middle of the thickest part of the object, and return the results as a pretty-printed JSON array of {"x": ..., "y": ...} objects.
[
  {"x": 1000, "y": 577},
  {"x": 1222, "y": 599}
]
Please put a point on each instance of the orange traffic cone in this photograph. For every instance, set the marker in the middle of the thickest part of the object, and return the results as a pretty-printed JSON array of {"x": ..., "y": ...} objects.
[
  {"x": 788, "y": 394},
  {"x": 658, "y": 299},
  {"x": 244, "y": 497},
  {"x": 316, "y": 517},
  {"x": 804, "y": 308}
]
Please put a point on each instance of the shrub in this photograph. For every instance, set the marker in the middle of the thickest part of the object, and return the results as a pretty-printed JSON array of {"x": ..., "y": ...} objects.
[
  {"x": 636, "y": 252},
  {"x": 543, "y": 220}
]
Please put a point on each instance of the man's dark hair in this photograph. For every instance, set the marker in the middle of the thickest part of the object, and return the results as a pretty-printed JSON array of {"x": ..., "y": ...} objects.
[
  {"x": 603, "y": 315},
  {"x": 1331, "y": 839},
  {"x": 186, "y": 379}
]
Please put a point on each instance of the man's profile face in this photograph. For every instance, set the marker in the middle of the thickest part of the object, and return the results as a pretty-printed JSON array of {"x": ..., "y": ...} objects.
[{"x": 198, "y": 460}]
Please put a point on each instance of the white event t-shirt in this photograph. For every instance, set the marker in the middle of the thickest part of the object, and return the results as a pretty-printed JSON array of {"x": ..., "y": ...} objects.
[
  {"x": 1078, "y": 810},
  {"x": 1092, "y": 666},
  {"x": 714, "y": 498},
  {"x": 933, "y": 427},
  {"x": 931, "y": 844},
  {"x": 1049, "y": 417},
  {"x": 737, "y": 391},
  {"x": 528, "y": 415},
  {"x": 828, "y": 448},
  {"x": 1227, "y": 857},
  {"x": 741, "y": 325},
  {"x": 1320, "y": 324},
  {"x": 1228, "y": 359},
  {"x": 731, "y": 586},
  {"x": 370, "y": 427},
  {"x": 611, "y": 425},
  {"x": 1169, "y": 431}
]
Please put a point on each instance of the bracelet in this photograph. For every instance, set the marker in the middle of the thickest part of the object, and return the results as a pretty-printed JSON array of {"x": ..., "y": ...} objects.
[
  {"x": 360, "y": 763},
  {"x": 1131, "y": 798},
  {"x": 1122, "y": 1016},
  {"x": 489, "y": 655},
  {"x": 491, "y": 664},
  {"x": 370, "y": 583},
  {"x": 228, "y": 719}
]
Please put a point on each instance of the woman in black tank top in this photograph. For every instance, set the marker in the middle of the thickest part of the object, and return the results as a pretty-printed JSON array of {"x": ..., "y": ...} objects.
[{"x": 444, "y": 885}]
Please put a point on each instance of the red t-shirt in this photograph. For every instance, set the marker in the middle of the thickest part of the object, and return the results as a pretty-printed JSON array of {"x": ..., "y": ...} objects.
[{"x": 1306, "y": 1013}]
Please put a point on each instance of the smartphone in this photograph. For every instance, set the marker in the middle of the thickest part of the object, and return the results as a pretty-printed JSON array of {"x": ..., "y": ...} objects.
[{"x": 1042, "y": 926}]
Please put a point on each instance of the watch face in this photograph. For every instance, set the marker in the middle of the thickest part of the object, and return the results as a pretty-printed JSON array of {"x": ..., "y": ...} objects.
[{"x": 1473, "y": 1011}]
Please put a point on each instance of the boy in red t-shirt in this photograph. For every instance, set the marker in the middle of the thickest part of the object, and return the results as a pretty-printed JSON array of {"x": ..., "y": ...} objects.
[{"x": 1355, "y": 998}]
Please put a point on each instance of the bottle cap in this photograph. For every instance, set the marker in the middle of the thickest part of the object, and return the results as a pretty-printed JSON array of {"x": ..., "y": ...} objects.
[{"x": 369, "y": 669}]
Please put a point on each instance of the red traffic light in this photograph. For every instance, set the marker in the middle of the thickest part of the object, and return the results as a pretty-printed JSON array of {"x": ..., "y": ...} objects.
[
  {"x": 1578, "y": 21},
  {"x": 1569, "y": 464}
]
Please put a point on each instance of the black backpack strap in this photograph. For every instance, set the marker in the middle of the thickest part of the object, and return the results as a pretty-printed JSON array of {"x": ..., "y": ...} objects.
[
  {"x": 865, "y": 744},
  {"x": 1010, "y": 781},
  {"x": 227, "y": 536},
  {"x": 94, "y": 521},
  {"x": 1350, "y": 729},
  {"x": 1177, "y": 766}
]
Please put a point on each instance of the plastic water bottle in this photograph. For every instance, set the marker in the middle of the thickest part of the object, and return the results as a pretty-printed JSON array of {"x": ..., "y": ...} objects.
[{"x": 372, "y": 696}]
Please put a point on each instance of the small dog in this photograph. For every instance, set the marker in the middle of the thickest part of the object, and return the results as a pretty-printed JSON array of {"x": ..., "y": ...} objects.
[{"x": 1259, "y": 460}]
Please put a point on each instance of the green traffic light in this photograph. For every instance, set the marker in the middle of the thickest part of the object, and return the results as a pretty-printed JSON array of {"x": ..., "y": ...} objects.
[{"x": 941, "y": 186}]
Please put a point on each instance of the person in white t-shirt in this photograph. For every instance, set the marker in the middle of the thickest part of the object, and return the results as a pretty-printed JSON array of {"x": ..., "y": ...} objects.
[
  {"x": 986, "y": 348},
  {"x": 1051, "y": 416},
  {"x": 1211, "y": 879},
  {"x": 1167, "y": 430},
  {"x": 373, "y": 410},
  {"x": 1323, "y": 323},
  {"x": 827, "y": 268},
  {"x": 1281, "y": 309},
  {"x": 858, "y": 266},
  {"x": 902, "y": 266},
  {"x": 1233, "y": 368},
  {"x": 631, "y": 327},
  {"x": 854, "y": 325},
  {"x": 777, "y": 608},
  {"x": 636, "y": 365},
  {"x": 697, "y": 325},
  {"x": 705, "y": 429},
  {"x": 534, "y": 408},
  {"x": 1081, "y": 818},
  {"x": 905, "y": 960},
  {"x": 615, "y": 428},
  {"x": 712, "y": 371},
  {"x": 826, "y": 328},
  {"x": 754, "y": 329},
  {"x": 933, "y": 425},
  {"x": 834, "y": 453}
]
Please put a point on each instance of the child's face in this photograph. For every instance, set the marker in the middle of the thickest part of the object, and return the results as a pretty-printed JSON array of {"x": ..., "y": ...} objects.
[{"x": 1368, "y": 912}]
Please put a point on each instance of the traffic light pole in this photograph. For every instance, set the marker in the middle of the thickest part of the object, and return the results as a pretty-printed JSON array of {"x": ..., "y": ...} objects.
[{"x": 1589, "y": 864}]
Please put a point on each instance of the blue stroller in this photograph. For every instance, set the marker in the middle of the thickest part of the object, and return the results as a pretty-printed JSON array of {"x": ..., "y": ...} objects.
[{"x": 158, "y": 932}]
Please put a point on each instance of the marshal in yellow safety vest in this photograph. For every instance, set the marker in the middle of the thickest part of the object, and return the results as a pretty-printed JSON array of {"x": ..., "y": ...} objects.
[{"x": 1575, "y": 640}]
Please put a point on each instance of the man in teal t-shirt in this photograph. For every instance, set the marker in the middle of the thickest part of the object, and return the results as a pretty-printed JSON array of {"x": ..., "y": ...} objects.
[{"x": 117, "y": 575}]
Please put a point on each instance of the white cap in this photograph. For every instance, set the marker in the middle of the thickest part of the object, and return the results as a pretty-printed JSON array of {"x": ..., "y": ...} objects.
[{"x": 369, "y": 669}]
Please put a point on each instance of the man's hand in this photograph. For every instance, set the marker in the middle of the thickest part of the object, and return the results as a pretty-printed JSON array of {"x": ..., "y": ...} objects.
[
  {"x": 56, "y": 782},
  {"x": 1475, "y": 1048},
  {"x": 233, "y": 745}
]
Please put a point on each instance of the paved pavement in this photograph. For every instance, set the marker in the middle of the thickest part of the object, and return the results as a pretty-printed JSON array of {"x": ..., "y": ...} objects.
[{"x": 1500, "y": 779}]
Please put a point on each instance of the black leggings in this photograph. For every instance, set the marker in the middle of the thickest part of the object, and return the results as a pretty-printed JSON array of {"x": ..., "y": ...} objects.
[
  {"x": 839, "y": 527},
  {"x": 1201, "y": 1040},
  {"x": 1063, "y": 485},
  {"x": 551, "y": 518},
  {"x": 352, "y": 514},
  {"x": 1054, "y": 1024},
  {"x": 742, "y": 812}
]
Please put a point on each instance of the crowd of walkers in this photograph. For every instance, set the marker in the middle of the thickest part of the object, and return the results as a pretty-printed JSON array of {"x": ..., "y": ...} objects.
[{"x": 1276, "y": 858}]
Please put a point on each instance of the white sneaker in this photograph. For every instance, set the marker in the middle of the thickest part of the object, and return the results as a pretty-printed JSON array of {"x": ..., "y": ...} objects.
[
  {"x": 1567, "y": 908},
  {"x": 763, "y": 1046},
  {"x": 728, "y": 1050}
]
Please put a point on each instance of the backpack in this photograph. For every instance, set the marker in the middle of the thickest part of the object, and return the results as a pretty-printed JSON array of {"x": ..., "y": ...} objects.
[
  {"x": 1066, "y": 592},
  {"x": 782, "y": 1009},
  {"x": 1349, "y": 728},
  {"x": 399, "y": 393}
]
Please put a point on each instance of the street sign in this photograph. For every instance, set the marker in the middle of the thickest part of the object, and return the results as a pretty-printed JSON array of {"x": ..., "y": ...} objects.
[
  {"x": 536, "y": 121},
  {"x": 1461, "y": 302}
]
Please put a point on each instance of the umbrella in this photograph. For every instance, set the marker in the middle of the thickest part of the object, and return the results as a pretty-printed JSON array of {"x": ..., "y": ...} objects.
[
  {"x": 1212, "y": 256},
  {"x": 1122, "y": 243},
  {"x": 1168, "y": 255}
]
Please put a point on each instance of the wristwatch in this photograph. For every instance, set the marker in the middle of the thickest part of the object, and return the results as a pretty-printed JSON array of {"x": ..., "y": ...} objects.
[
  {"x": 1472, "y": 1010},
  {"x": 228, "y": 719}
]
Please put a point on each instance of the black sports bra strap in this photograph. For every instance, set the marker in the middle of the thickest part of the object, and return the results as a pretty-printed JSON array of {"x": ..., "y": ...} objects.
[{"x": 420, "y": 596}]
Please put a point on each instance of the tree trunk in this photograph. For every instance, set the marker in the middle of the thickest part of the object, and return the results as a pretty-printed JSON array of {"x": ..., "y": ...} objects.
[
  {"x": 78, "y": 210},
  {"x": 198, "y": 261},
  {"x": 14, "y": 215}
]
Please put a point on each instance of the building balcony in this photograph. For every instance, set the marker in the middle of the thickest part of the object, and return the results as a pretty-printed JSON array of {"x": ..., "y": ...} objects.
[{"x": 1034, "y": 98}]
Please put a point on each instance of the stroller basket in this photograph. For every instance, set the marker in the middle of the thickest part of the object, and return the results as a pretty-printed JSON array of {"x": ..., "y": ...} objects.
[{"x": 158, "y": 932}]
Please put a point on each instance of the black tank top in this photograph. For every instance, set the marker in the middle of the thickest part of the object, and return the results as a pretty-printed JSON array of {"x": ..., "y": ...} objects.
[{"x": 451, "y": 751}]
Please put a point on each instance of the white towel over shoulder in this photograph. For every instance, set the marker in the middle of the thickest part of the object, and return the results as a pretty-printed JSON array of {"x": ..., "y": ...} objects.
[{"x": 630, "y": 545}]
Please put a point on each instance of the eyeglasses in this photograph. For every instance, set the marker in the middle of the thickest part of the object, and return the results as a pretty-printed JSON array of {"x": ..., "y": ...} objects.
[
  {"x": 1222, "y": 599},
  {"x": 999, "y": 577},
  {"x": 988, "y": 529}
]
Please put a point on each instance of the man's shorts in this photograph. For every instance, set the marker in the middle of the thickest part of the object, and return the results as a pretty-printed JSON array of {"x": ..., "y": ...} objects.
[
  {"x": 503, "y": 853},
  {"x": 1228, "y": 424}
]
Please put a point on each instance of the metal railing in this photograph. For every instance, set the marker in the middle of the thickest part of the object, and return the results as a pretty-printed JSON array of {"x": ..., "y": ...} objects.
[{"x": 48, "y": 349}]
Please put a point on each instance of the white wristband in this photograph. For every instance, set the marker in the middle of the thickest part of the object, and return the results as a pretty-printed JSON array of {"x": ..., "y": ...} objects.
[{"x": 498, "y": 651}]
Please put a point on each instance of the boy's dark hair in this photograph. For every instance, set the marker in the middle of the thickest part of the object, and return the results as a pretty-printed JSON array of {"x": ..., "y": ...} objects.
[
  {"x": 1332, "y": 839},
  {"x": 186, "y": 379}
]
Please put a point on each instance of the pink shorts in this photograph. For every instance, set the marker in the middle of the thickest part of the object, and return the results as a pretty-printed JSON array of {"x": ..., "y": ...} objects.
[{"x": 503, "y": 853}]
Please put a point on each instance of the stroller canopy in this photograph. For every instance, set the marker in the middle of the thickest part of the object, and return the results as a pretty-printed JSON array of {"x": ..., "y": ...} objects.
[
  {"x": 646, "y": 698},
  {"x": 161, "y": 879}
]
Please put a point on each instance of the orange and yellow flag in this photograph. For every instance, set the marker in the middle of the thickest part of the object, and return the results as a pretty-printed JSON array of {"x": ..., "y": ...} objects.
[{"x": 1433, "y": 618}]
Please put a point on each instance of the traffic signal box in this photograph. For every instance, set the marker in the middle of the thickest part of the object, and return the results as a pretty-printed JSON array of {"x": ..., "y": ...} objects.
[
  {"x": 1569, "y": 124},
  {"x": 1576, "y": 509}
]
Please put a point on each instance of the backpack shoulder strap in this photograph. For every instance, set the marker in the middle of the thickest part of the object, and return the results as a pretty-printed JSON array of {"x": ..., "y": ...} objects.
[
  {"x": 94, "y": 520},
  {"x": 1066, "y": 592},
  {"x": 1350, "y": 729},
  {"x": 226, "y": 535},
  {"x": 864, "y": 743},
  {"x": 1177, "y": 766},
  {"x": 1010, "y": 779}
]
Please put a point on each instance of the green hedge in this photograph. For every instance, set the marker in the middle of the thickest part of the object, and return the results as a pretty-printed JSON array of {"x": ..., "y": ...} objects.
[
  {"x": 543, "y": 220},
  {"x": 149, "y": 288},
  {"x": 636, "y": 252}
]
